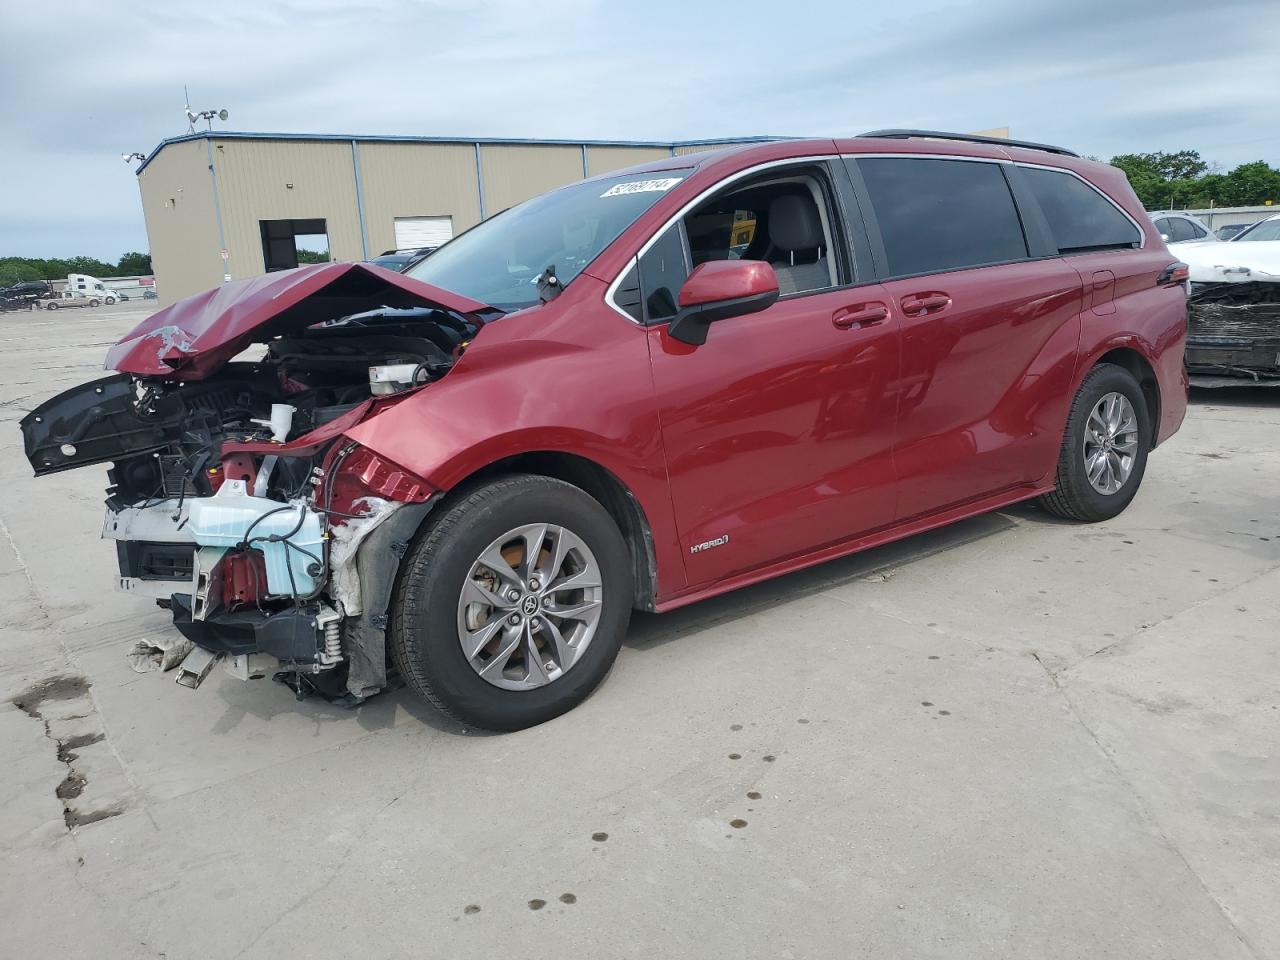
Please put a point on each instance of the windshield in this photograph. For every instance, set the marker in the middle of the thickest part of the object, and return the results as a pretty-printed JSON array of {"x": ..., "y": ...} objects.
[
  {"x": 1265, "y": 230},
  {"x": 498, "y": 262}
]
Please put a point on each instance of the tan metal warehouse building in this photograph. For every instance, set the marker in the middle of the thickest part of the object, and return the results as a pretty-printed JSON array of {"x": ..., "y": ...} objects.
[{"x": 222, "y": 205}]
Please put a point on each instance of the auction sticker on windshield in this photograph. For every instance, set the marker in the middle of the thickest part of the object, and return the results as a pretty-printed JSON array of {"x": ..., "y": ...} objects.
[{"x": 642, "y": 186}]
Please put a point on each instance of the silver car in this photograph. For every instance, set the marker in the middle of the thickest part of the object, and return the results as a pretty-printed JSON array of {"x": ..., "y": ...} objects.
[{"x": 1180, "y": 227}]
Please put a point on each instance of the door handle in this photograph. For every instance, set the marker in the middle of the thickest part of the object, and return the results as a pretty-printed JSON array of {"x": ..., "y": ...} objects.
[
  {"x": 924, "y": 303},
  {"x": 860, "y": 315}
]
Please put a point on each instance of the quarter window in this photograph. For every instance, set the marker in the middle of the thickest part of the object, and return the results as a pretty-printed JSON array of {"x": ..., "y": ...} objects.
[
  {"x": 939, "y": 215},
  {"x": 1080, "y": 218},
  {"x": 663, "y": 270}
]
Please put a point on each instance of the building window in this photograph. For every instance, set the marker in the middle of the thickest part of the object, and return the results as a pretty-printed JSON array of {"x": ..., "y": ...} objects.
[{"x": 288, "y": 243}]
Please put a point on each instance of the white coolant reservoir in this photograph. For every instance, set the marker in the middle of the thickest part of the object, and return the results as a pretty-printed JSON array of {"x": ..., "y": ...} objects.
[
  {"x": 281, "y": 421},
  {"x": 232, "y": 515}
]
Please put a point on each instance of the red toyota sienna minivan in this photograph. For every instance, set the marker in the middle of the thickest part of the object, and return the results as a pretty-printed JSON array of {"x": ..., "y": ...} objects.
[{"x": 633, "y": 392}]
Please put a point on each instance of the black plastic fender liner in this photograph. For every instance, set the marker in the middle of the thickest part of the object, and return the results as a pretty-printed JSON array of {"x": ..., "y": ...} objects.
[
  {"x": 91, "y": 423},
  {"x": 102, "y": 420},
  {"x": 377, "y": 562},
  {"x": 291, "y": 635}
]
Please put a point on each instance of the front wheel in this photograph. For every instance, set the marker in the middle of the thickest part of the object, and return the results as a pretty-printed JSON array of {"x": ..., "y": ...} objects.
[
  {"x": 511, "y": 608},
  {"x": 1104, "y": 448},
  {"x": 51, "y": 305}
]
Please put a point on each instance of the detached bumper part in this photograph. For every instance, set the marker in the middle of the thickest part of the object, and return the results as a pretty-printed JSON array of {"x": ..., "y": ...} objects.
[{"x": 303, "y": 638}]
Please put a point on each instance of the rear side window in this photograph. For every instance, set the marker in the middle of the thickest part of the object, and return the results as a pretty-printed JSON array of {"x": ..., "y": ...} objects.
[
  {"x": 1197, "y": 231},
  {"x": 1079, "y": 217},
  {"x": 937, "y": 215},
  {"x": 1180, "y": 229}
]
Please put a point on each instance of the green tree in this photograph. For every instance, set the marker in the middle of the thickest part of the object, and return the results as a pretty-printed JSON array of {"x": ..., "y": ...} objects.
[
  {"x": 134, "y": 265},
  {"x": 1250, "y": 184},
  {"x": 1182, "y": 179},
  {"x": 1159, "y": 178},
  {"x": 91, "y": 266},
  {"x": 313, "y": 256}
]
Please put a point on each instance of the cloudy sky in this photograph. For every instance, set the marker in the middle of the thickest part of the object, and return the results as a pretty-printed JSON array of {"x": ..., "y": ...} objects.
[{"x": 90, "y": 80}]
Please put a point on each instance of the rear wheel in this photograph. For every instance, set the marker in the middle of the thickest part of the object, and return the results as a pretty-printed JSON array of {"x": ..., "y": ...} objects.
[
  {"x": 1104, "y": 448},
  {"x": 512, "y": 607},
  {"x": 93, "y": 303},
  {"x": 51, "y": 306}
]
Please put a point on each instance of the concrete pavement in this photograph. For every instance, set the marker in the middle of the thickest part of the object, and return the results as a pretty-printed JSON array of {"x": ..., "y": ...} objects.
[{"x": 1014, "y": 737}]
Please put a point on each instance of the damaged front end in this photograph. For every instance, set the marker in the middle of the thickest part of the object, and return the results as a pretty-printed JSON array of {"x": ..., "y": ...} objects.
[
  {"x": 1233, "y": 311},
  {"x": 1233, "y": 333},
  {"x": 235, "y": 497}
]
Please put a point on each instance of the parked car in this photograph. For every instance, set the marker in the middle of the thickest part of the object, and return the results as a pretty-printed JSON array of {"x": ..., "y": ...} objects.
[
  {"x": 150, "y": 294},
  {"x": 593, "y": 403},
  {"x": 1230, "y": 230},
  {"x": 1181, "y": 228},
  {"x": 1234, "y": 308},
  {"x": 402, "y": 260}
]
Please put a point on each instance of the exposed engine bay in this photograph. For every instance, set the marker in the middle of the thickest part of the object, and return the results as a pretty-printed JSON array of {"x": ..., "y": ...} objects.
[
  {"x": 235, "y": 500},
  {"x": 1233, "y": 333}
]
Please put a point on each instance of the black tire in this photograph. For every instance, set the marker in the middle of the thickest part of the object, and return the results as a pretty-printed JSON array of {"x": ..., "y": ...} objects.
[
  {"x": 51, "y": 306},
  {"x": 423, "y": 634},
  {"x": 93, "y": 303},
  {"x": 1075, "y": 497}
]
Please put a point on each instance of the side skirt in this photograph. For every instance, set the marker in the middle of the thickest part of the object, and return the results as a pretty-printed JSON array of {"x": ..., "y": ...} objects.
[{"x": 865, "y": 542}]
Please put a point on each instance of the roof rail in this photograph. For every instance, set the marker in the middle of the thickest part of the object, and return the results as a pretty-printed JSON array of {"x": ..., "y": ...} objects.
[{"x": 967, "y": 138}]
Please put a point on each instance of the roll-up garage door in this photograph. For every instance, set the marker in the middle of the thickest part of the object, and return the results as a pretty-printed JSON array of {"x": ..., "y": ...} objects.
[{"x": 414, "y": 232}]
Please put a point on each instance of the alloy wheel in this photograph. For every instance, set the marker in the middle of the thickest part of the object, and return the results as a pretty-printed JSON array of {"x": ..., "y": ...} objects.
[
  {"x": 529, "y": 606},
  {"x": 1110, "y": 443}
]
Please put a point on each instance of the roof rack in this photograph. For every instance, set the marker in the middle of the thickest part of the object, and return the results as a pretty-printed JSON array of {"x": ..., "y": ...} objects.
[{"x": 967, "y": 138}]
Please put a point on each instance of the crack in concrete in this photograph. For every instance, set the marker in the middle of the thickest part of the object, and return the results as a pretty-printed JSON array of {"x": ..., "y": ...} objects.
[
  {"x": 1146, "y": 627},
  {"x": 31, "y": 701},
  {"x": 1145, "y": 810},
  {"x": 92, "y": 703}
]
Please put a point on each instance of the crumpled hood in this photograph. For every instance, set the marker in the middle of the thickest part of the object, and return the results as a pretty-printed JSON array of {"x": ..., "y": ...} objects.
[
  {"x": 196, "y": 336},
  {"x": 1231, "y": 262}
]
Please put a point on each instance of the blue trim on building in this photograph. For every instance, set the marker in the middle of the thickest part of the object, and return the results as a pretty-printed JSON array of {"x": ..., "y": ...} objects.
[{"x": 669, "y": 145}]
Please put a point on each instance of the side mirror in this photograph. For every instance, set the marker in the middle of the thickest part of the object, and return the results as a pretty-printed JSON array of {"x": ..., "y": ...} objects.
[{"x": 721, "y": 289}]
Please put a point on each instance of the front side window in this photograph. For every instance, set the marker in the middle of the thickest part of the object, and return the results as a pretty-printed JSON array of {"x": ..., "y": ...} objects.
[
  {"x": 786, "y": 219},
  {"x": 1080, "y": 218},
  {"x": 499, "y": 261},
  {"x": 939, "y": 215}
]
